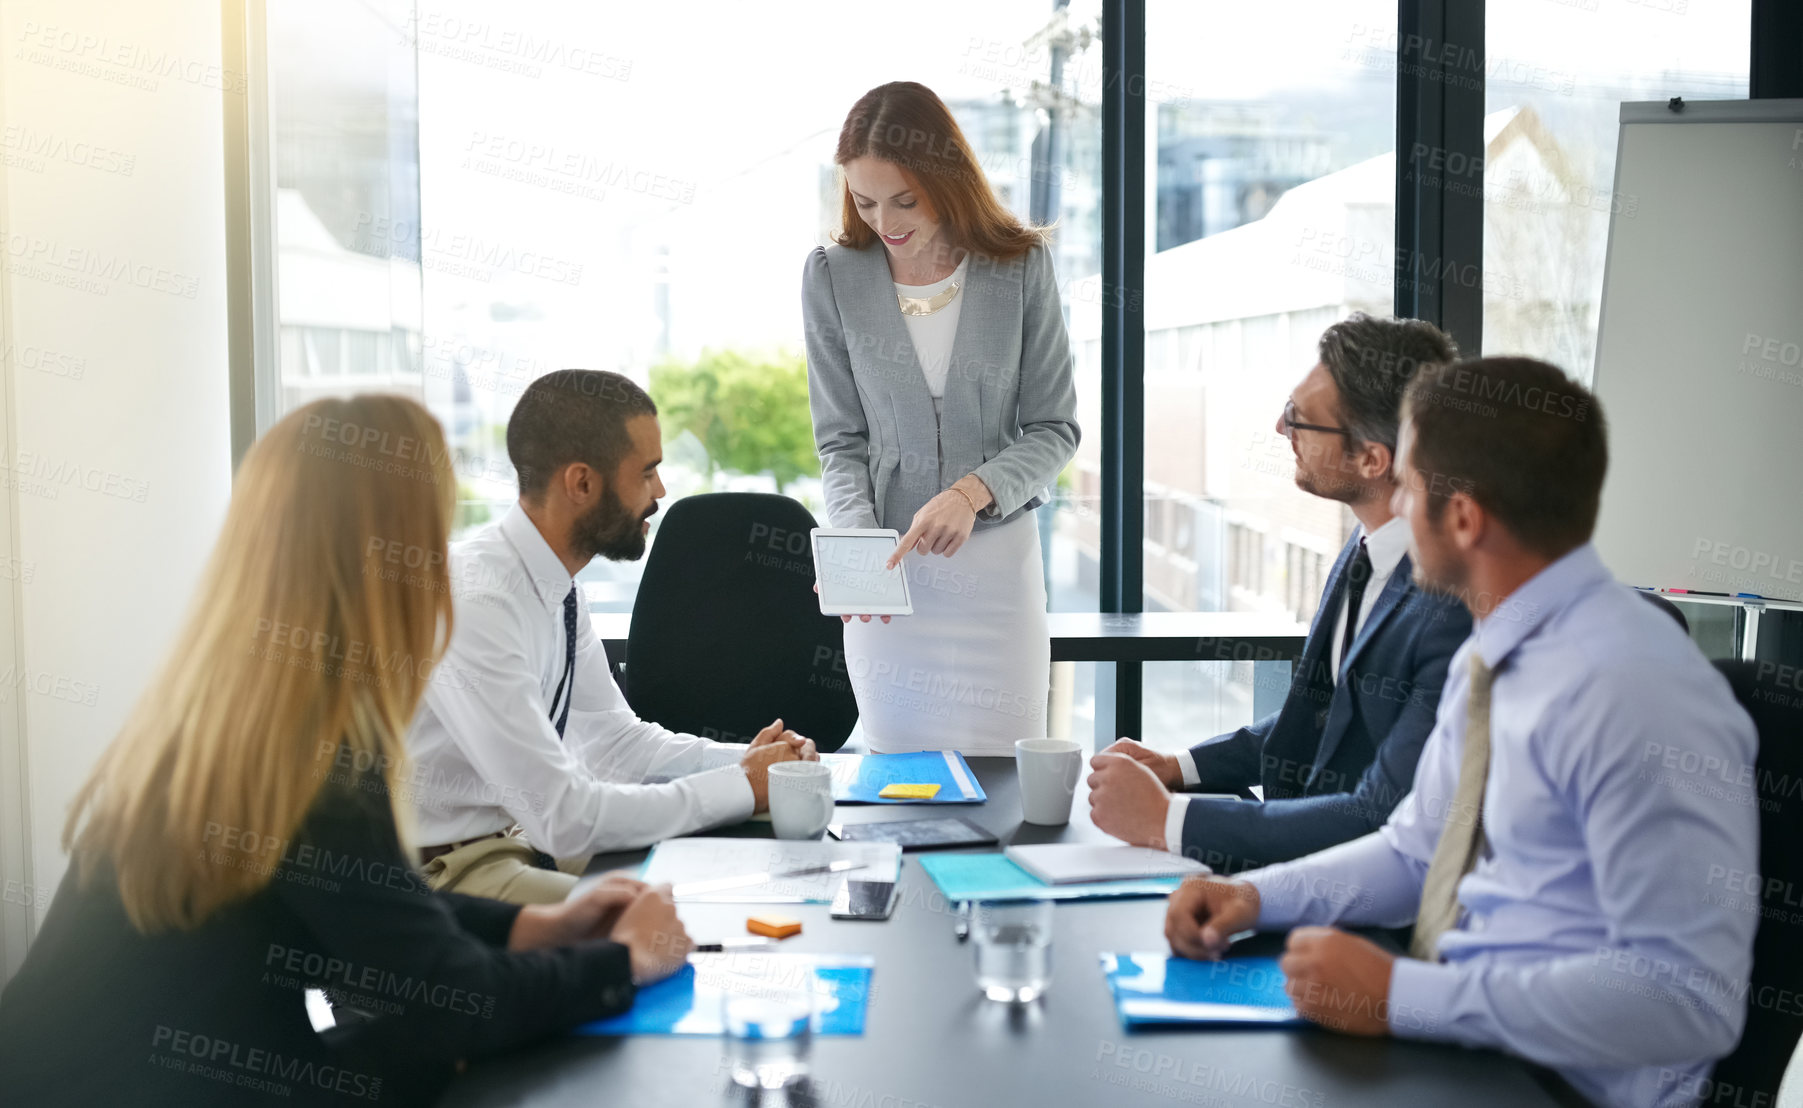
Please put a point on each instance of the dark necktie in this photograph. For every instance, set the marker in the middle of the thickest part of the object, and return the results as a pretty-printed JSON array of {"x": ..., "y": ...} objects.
[
  {"x": 1357, "y": 575},
  {"x": 566, "y": 686}
]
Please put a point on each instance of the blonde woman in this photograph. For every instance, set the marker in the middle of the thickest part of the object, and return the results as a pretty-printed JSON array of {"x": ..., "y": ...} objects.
[
  {"x": 939, "y": 375},
  {"x": 237, "y": 844}
]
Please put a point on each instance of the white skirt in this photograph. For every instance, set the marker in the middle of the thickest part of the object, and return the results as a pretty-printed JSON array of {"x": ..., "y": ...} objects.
[{"x": 970, "y": 669}]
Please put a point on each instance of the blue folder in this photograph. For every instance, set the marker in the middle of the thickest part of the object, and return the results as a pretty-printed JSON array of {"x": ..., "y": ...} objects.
[
  {"x": 688, "y": 1001},
  {"x": 858, "y": 778},
  {"x": 995, "y": 877},
  {"x": 1162, "y": 990}
]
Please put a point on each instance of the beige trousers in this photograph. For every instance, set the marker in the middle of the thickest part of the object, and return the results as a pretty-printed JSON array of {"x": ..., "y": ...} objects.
[{"x": 501, "y": 869}]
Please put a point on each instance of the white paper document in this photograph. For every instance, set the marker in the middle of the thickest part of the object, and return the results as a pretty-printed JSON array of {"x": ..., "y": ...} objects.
[
  {"x": 1073, "y": 863},
  {"x": 721, "y": 860}
]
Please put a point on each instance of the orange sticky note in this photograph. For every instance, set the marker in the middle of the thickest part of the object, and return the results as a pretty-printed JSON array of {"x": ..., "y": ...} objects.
[
  {"x": 775, "y": 926},
  {"x": 909, "y": 792}
]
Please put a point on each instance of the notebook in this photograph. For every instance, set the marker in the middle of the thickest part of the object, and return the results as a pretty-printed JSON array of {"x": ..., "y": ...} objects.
[
  {"x": 688, "y": 1002},
  {"x": 858, "y": 778},
  {"x": 1162, "y": 990},
  {"x": 994, "y": 877},
  {"x": 1074, "y": 863}
]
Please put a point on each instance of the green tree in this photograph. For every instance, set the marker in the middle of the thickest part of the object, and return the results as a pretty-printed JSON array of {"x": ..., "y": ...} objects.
[
  {"x": 472, "y": 511},
  {"x": 748, "y": 409}
]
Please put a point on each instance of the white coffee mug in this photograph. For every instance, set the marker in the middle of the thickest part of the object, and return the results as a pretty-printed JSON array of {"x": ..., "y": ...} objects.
[
  {"x": 801, "y": 799},
  {"x": 1048, "y": 770}
]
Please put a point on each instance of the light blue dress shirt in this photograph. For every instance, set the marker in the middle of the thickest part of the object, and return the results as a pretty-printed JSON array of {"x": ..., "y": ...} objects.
[{"x": 1598, "y": 934}]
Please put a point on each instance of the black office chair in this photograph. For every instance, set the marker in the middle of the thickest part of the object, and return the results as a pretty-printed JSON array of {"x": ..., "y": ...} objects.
[
  {"x": 727, "y": 633},
  {"x": 1667, "y": 607},
  {"x": 1757, "y": 1064}
]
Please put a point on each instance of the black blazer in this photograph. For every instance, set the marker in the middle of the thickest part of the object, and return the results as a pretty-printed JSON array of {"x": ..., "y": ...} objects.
[
  {"x": 1340, "y": 753},
  {"x": 102, "y": 1014}
]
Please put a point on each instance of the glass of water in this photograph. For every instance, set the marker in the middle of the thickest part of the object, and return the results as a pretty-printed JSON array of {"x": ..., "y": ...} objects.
[
  {"x": 1013, "y": 944},
  {"x": 768, "y": 1026}
]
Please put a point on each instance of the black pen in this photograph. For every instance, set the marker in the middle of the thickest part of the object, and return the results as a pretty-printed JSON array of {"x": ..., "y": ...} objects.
[{"x": 732, "y": 944}]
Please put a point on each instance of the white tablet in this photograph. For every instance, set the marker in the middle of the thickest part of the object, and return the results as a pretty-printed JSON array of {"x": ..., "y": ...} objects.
[{"x": 848, "y": 567}]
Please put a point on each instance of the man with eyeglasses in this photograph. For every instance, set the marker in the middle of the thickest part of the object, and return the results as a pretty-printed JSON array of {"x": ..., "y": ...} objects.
[{"x": 1340, "y": 753}]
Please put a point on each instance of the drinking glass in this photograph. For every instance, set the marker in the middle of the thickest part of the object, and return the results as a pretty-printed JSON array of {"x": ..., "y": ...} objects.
[
  {"x": 768, "y": 1027},
  {"x": 1013, "y": 944}
]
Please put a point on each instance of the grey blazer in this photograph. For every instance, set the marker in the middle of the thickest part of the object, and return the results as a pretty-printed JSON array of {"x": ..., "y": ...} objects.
[{"x": 1010, "y": 408}]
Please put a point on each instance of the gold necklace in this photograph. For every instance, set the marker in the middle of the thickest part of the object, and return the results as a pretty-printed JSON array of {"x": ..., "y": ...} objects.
[{"x": 927, "y": 305}]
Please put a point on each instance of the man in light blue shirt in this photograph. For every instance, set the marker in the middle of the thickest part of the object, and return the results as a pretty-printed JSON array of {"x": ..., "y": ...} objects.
[{"x": 1586, "y": 785}]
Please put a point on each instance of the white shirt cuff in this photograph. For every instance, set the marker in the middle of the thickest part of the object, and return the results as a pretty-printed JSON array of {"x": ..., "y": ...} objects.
[
  {"x": 718, "y": 754},
  {"x": 1186, "y": 764},
  {"x": 724, "y": 796},
  {"x": 1173, "y": 821}
]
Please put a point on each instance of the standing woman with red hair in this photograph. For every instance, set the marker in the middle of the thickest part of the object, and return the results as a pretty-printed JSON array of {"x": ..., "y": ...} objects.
[{"x": 939, "y": 376}]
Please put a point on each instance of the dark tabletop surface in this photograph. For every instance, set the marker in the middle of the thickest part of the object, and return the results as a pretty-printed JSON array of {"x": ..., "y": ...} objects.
[
  {"x": 932, "y": 1040},
  {"x": 1104, "y": 637}
]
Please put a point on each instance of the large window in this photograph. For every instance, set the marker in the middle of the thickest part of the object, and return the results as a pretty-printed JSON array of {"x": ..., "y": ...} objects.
[
  {"x": 606, "y": 186},
  {"x": 1556, "y": 78},
  {"x": 469, "y": 197},
  {"x": 1271, "y": 214},
  {"x": 347, "y": 202}
]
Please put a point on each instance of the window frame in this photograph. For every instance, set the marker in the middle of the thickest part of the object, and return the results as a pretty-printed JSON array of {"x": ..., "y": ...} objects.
[{"x": 253, "y": 370}]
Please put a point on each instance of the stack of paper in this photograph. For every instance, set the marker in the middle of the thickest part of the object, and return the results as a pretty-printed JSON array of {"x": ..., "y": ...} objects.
[
  {"x": 1076, "y": 863},
  {"x": 768, "y": 868}
]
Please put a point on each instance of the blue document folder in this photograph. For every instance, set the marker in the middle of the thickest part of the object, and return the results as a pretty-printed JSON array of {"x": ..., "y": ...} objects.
[
  {"x": 858, "y": 778},
  {"x": 688, "y": 1002},
  {"x": 995, "y": 877},
  {"x": 1162, "y": 990}
]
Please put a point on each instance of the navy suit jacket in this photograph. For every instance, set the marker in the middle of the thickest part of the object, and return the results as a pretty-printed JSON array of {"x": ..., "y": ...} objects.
[{"x": 1333, "y": 764}]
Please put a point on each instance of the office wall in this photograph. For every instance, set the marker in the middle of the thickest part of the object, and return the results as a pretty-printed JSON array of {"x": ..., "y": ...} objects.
[{"x": 115, "y": 467}]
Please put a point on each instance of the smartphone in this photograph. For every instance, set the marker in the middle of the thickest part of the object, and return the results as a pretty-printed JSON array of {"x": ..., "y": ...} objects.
[{"x": 864, "y": 900}]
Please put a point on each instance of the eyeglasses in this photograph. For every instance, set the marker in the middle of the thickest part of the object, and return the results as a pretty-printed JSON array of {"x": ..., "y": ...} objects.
[{"x": 1290, "y": 426}]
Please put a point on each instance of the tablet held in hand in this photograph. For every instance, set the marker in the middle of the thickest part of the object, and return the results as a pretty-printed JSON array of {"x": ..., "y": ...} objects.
[{"x": 851, "y": 575}]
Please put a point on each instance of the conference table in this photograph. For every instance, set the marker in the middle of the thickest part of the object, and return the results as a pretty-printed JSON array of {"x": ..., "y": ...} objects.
[{"x": 931, "y": 1039}]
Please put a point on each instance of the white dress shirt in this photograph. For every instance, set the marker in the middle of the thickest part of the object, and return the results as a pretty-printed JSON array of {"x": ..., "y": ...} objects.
[
  {"x": 1385, "y": 547},
  {"x": 485, "y": 754},
  {"x": 1596, "y": 937}
]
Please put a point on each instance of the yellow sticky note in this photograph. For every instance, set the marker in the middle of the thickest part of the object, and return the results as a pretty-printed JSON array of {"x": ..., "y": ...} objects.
[{"x": 909, "y": 792}]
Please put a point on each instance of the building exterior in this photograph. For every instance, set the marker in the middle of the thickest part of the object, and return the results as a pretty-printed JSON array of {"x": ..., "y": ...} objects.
[
  {"x": 350, "y": 320},
  {"x": 1231, "y": 324}
]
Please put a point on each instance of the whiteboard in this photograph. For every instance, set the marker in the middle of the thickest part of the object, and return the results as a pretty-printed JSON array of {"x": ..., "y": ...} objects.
[{"x": 1699, "y": 361}]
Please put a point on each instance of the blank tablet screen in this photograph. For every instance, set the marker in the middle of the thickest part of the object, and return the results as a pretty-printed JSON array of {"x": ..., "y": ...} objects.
[{"x": 852, "y": 577}]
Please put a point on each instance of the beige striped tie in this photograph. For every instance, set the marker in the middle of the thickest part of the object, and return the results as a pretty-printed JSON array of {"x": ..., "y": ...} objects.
[{"x": 1461, "y": 840}]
